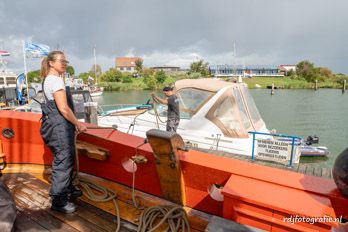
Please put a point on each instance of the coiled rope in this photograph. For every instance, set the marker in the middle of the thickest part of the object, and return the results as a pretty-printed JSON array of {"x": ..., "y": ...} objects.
[{"x": 175, "y": 217}]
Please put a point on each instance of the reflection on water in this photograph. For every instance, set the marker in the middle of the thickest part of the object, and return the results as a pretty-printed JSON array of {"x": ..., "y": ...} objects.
[{"x": 293, "y": 112}]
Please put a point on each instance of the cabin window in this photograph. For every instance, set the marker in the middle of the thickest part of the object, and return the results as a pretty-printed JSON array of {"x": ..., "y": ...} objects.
[
  {"x": 254, "y": 113},
  {"x": 242, "y": 110},
  {"x": 229, "y": 114},
  {"x": 226, "y": 114},
  {"x": 10, "y": 80},
  {"x": 191, "y": 100},
  {"x": 78, "y": 103}
]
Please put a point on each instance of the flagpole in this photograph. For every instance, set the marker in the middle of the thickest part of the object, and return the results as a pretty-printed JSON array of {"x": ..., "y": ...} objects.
[{"x": 25, "y": 71}]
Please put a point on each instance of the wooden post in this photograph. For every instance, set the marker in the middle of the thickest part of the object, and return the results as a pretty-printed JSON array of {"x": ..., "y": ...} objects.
[
  {"x": 344, "y": 86},
  {"x": 316, "y": 85},
  {"x": 91, "y": 113},
  {"x": 167, "y": 146},
  {"x": 272, "y": 90}
]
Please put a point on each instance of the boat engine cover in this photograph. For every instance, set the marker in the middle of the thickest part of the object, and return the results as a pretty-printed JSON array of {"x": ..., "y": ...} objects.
[{"x": 340, "y": 172}]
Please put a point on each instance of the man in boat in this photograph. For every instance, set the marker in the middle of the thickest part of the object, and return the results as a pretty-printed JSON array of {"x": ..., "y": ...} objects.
[{"x": 173, "y": 114}]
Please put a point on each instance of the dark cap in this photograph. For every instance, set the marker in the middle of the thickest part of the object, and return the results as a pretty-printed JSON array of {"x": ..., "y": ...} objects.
[{"x": 167, "y": 88}]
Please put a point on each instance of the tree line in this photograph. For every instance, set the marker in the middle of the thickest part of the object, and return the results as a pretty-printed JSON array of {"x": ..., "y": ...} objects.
[{"x": 155, "y": 79}]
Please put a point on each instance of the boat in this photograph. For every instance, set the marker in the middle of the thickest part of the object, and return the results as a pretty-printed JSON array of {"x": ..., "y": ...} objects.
[
  {"x": 126, "y": 109},
  {"x": 79, "y": 96},
  {"x": 95, "y": 91},
  {"x": 207, "y": 192},
  {"x": 215, "y": 115},
  {"x": 13, "y": 90}
]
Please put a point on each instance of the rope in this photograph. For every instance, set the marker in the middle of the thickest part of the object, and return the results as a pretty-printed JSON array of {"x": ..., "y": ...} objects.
[
  {"x": 156, "y": 113},
  {"x": 175, "y": 217},
  {"x": 105, "y": 194}
]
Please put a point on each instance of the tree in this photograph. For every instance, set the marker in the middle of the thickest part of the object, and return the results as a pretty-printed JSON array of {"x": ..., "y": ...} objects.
[
  {"x": 150, "y": 81},
  {"x": 200, "y": 67},
  {"x": 139, "y": 65},
  {"x": 306, "y": 70},
  {"x": 112, "y": 75},
  {"x": 84, "y": 76},
  {"x": 70, "y": 69},
  {"x": 34, "y": 76},
  {"x": 160, "y": 76}
]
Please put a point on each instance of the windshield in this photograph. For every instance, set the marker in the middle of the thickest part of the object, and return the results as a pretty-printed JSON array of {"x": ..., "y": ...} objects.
[{"x": 190, "y": 101}]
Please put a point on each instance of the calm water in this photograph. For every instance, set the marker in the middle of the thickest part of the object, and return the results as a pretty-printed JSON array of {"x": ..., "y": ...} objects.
[{"x": 293, "y": 112}]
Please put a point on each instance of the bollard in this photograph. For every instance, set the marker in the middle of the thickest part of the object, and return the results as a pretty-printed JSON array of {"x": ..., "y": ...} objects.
[
  {"x": 316, "y": 85},
  {"x": 272, "y": 91},
  {"x": 91, "y": 112}
]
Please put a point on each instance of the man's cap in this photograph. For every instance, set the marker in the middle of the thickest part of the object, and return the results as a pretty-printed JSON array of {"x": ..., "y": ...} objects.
[{"x": 167, "y": 88}]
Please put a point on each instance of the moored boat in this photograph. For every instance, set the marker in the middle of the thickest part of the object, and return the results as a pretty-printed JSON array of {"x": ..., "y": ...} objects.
[{"x": 215, "y": 115}]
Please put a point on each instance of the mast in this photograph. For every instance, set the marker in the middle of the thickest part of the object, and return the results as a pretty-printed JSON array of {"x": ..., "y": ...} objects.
[
  {"x": 234, "y": 58},
  {"x": 95, "y": 66}
]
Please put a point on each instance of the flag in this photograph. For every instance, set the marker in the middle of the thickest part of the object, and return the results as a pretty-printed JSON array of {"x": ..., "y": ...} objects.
[
  {"x": 33, "y": 50},
  {"x": 4, "y": 53},
  {"x": 19, "y": 85}
]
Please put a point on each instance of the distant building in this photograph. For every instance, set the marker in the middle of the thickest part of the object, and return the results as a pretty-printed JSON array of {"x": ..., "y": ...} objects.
[
  {"x": 166, "y": 68},
  {"x": 286, "y": 68},
  {"x": 244, "y": 70},
  {"x": 126, "y": 64}
]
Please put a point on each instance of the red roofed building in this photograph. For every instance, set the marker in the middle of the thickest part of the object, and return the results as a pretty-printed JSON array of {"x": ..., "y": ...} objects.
[
  {"x": 286, "y": 68},
  {"x": 126, "y": 64}
]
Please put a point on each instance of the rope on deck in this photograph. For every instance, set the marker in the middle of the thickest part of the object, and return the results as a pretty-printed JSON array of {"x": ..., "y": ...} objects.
[
  {"x": 174, "y": 216},
  {"x": 105, "y": 194}
]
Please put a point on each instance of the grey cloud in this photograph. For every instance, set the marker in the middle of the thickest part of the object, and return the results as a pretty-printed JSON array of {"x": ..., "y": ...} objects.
[{"x": 269, "y": 31}]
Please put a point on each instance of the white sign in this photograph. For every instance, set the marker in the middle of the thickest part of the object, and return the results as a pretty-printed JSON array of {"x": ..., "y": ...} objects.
[{"x": 274, "y": 150}]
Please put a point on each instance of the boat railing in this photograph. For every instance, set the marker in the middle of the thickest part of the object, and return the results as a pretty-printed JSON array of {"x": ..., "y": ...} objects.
[{"x": 279, "y": 144}]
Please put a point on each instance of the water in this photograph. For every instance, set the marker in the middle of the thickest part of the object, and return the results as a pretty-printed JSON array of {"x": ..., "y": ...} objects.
[{"x": 293, "y": 112}]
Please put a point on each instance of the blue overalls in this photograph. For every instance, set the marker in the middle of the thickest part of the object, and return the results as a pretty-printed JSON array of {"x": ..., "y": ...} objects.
[{"x": 59, "y": 134}]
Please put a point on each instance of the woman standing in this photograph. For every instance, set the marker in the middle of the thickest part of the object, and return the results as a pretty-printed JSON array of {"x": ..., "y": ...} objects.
[{"x": 58, "y": 130}]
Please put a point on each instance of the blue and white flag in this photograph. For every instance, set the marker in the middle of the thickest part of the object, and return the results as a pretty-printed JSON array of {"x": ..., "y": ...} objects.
[
  {"x": 33, "y": 50},
  {"x": 20, "y": 85}
]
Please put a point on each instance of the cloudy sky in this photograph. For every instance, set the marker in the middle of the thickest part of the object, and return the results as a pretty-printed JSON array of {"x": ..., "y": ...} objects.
[{"x": 178, "y": 32}]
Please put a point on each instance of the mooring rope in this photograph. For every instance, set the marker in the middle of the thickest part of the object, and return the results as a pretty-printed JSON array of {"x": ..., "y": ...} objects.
[
  {"x": 105, "y": 195},
  {"x": 175, "y": 217},
  {"x": 156, "y": 113}
]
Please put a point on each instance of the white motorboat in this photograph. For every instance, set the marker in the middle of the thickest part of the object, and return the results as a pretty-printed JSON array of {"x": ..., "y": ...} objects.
[
  {"x": 96, "y": 91},
  {"x": 215, "y": 115}
]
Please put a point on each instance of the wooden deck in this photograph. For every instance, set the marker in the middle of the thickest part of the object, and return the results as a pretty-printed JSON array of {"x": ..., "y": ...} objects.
[
  {"x": 312, "y": 169},
  {"x": 34, "y": 213}
]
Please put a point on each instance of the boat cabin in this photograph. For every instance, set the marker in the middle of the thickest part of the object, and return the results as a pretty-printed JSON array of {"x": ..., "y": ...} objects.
[{"x": 229, "y": 106}]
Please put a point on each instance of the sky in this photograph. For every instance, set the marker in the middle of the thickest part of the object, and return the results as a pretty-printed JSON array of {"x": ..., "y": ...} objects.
[{"x": 179, "y": 32}]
